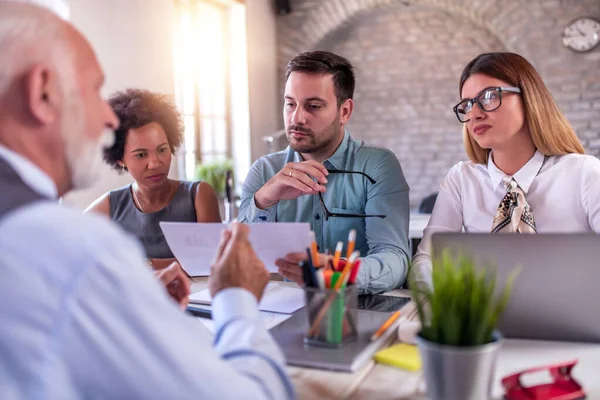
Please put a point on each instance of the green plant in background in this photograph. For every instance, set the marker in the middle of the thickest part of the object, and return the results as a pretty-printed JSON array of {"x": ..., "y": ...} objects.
[
  {"x": 214, "y": 173},
  {"x": 462, "y": 309}
]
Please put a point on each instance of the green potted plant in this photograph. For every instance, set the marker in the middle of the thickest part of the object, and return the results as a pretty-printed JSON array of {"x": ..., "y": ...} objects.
[
  {"x": 214, "y": 173},
  {"x": 458, "y": 340}
]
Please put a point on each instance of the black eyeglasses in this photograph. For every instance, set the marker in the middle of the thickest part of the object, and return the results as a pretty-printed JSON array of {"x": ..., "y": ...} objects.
[
  {"x": 329, "y": 214},
  {"x": 489, "y": 99}
]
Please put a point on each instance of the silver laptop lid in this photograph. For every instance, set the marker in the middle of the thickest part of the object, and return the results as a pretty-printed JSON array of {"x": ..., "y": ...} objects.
[{"x": 556, "y": 295}]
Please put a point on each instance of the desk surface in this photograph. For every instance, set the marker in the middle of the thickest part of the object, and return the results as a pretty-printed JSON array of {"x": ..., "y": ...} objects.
[{"x": 383, "y": 382}]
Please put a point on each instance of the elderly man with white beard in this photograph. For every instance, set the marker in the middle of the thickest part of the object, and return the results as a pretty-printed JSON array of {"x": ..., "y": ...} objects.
[{"x": 81, "y": 315}]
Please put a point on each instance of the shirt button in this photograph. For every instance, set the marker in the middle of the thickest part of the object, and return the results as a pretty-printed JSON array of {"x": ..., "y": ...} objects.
[{"x": 317, "y": 217}]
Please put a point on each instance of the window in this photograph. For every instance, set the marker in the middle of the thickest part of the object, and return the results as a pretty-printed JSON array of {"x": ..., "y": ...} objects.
[{"x": 212, "y": 83}]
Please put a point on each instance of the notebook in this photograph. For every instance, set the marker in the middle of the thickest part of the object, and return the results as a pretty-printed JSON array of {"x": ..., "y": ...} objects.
[
  {"x": 401, "y": 355},
  {"x": 349, "y": 358},
  {"x": 277, "y": 298},
  {"x": 269, "y": 319}
]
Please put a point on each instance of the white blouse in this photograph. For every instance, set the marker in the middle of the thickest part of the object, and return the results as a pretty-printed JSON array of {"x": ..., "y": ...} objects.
[{"x": 563, "y": 193}]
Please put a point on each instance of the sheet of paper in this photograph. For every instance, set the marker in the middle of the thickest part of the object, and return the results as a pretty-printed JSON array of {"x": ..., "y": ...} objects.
[
  {"x": 277, "y": 298},
  {"x": 269, "y": 319},
  {"x": 194, "y": 244}
]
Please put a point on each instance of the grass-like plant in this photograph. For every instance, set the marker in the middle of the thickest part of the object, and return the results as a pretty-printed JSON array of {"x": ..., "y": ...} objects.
[
  {"x": 214, "y": 174},
  {"x": 462, "y": 308}
]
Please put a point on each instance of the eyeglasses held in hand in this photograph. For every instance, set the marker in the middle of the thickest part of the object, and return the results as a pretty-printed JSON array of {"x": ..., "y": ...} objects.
[
  {"x": 489, "y": 99},
  {"x": 329, "y": 214}
]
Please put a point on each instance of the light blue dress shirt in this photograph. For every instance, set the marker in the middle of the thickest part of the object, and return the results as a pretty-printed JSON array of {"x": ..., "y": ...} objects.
[
  {"x": 83, "y": 317},
  {"x": 382, "y": 242}
]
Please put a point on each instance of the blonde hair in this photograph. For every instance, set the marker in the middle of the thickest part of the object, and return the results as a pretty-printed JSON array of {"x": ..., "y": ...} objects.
[{"x": 550, "y": 131}]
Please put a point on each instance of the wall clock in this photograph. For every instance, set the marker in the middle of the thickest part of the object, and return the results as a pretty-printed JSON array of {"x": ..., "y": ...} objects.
[{"x": 582, "y": 34}]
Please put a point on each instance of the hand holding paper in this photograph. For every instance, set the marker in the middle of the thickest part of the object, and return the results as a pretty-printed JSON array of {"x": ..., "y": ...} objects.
[{"x": 236, "y": 264}]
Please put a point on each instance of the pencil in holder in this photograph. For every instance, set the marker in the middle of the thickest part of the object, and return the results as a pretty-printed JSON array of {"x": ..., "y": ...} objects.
[{"x": 331, "y": 316}]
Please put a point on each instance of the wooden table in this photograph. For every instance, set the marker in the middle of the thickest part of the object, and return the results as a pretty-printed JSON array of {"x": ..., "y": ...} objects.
[{"x": 378, "y": 381}]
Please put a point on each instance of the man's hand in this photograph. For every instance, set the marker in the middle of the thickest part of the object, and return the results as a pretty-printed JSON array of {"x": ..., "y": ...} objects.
[
  {"x": 236, "y": 264},
  {"x": 293, "y": 181},
  {"x": 289, "y": 268},
  {"x": 176, "y": 282}
]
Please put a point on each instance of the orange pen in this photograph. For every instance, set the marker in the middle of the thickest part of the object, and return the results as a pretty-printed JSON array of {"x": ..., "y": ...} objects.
[{"x": 385, "y": 325}]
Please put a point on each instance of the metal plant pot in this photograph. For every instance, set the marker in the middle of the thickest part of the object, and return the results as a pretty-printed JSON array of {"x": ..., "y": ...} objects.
[{"x": 459, "y": 373}]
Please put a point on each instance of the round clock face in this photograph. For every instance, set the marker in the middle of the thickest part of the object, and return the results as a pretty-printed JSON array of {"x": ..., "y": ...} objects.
[{"x": 582, "y": 34}]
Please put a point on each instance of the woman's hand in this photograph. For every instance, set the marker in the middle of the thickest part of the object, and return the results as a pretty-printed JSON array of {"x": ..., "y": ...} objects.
[{"x": 176, "y": 282}]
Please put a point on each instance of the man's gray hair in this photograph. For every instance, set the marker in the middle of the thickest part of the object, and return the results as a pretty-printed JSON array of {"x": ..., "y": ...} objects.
[
  {"x": 59, "y": 7},
  {"x": 30, "y": 34}
]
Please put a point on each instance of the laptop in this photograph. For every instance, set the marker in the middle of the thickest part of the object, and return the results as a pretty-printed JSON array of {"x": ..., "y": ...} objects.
[{"x": 556, "y": 295}]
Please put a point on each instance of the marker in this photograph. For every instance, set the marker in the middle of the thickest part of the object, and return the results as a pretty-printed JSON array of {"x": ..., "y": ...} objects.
[
  {"x": 313, "y": 249},
  {"x": 310, "y": 271},
  {"x": 321, "y": 279},
  {"x": 199, "y": 312},
  {"x": 354, "y": 272},
  {"x": 346, "y": 273}
]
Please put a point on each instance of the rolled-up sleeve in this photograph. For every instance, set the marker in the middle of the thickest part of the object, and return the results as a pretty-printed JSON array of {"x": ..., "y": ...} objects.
[
  {"x": 249, "y": 212},
  {"x": 386, "y": 266}
]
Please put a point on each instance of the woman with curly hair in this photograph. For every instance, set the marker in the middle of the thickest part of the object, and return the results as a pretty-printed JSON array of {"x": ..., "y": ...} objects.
[{"x": 150, "y": 132}]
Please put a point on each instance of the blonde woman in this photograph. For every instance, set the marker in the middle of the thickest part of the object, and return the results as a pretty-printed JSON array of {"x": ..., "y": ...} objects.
[{"x": 527, "y": 171}]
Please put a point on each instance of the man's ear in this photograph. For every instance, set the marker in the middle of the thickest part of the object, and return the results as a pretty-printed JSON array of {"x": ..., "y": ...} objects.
[
  {"x": 346, "y": 111},
  {"x": 121, "y": 164},
  {"x": 43, "y": 95}
]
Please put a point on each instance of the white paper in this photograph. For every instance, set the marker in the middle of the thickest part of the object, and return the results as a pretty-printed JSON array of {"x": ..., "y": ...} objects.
[
  {"x": 195, "y": 244},
  {"x": 277, "y": 298}
]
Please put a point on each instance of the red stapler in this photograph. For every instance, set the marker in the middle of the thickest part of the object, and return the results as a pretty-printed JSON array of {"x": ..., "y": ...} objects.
[{"x": 563, "y": 387}]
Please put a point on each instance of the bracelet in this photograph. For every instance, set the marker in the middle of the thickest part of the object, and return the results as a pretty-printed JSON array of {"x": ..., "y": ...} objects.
[{"x": 149, "y": 262}]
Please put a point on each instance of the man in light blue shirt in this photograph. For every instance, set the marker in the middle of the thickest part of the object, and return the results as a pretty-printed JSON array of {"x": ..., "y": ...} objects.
[
  {"x": 81, "y": 314},
  {"x": 330, "y": 180}
]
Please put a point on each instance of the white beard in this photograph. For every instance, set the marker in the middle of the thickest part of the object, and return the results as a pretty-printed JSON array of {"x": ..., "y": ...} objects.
[{"x": 85, "y": 158}]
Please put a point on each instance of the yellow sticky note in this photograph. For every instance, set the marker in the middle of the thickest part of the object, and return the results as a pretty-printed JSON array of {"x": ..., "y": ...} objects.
[{"x": 400, "y": 355}]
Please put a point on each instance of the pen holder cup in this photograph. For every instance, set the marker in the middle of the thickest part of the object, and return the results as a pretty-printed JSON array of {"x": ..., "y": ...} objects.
[{"x": 331, "y": 316}]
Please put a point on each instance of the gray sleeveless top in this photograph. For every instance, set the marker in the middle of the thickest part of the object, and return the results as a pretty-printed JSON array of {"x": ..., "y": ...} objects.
[{"x": 145, "y": 225}]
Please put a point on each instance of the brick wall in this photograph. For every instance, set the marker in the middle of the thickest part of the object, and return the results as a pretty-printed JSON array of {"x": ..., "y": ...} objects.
[{"x": 409, "y": 55}]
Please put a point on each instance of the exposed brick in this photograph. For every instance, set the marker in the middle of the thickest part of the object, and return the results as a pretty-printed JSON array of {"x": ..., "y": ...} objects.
[
  {"x": 582, "y": 115},
  {"x": 408, "y": 61},
  {"x": 582, "y": 105}
]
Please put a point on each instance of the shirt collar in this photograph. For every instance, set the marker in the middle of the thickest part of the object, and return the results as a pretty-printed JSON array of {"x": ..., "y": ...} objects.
[
  {"x": 338, "y": 159},
  {"x": 29, "y": 173},
  {"x": 524, "y": 177}
]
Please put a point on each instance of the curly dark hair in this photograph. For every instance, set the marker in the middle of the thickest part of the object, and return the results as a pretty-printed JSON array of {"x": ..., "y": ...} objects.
[{"x": 138, "y": 107}]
